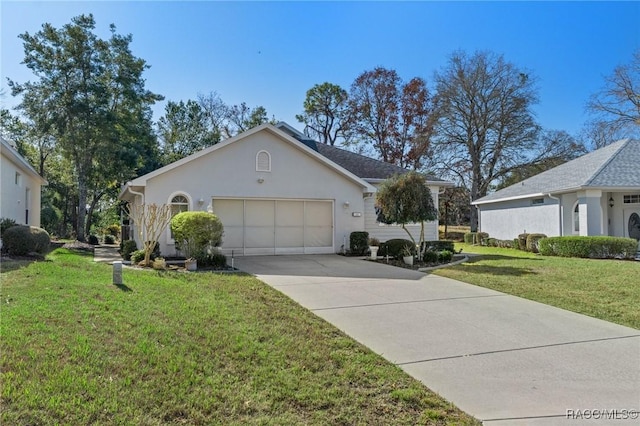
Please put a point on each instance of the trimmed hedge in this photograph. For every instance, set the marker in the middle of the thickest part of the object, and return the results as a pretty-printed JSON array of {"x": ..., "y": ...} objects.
[
  {"x": 215, "y": 260},
  {"x": 21, "y": 240},
  {"x": 532, "y": 242},
  {"x": 522, "y": 241},
  {"x": 359, "y": 242},
  {"x": 396, "y": 247},
  {"x": 476, "y": 238},
  {"x": 596, "y": 247}
]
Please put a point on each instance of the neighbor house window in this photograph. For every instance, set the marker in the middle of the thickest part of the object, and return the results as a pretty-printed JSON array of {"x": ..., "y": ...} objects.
[
  {"x": 179, "y": 203},
  {"x": 576, "y": 218},
  {"x": 18, "y": 177},
  {"x": 263, "y": 161},
  {"x": 537, "y": 201},
  {"x": 631, "y": 199}
]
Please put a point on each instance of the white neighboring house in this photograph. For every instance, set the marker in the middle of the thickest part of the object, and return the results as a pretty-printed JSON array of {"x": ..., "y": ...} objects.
[
  {"x": 596, "y": 194},
  {"x": 20, "y": 187},
  {"x": 276, "y": 192}
]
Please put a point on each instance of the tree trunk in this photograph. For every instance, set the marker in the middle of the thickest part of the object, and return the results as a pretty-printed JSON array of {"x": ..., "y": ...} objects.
[
  {"x": 90, "y": 213},
  {"x": 82, "y": 205}
]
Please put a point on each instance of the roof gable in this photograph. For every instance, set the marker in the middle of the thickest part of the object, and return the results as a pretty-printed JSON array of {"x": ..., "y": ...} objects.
[
  {"x": 613, "y": 166},
  {"x": 286, "y": 137}
]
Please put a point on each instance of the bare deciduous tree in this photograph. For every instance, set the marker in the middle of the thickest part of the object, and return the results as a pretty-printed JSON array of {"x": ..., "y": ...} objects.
[
  {"x": 486, "y": 127},
  {"x": 151, "y": 220},
  {"x": 616, "y": 107}
]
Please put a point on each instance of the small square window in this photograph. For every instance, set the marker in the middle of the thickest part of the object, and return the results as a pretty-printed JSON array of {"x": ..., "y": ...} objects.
[
  {"x": 18, "y": 178},
  {"x": 537, "y": 201}
]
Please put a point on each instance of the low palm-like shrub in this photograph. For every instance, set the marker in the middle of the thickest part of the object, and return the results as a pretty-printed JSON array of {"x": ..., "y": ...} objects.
[
  {"x": 359, "y": 242},
  {"x": 396, "y": 248},
  {"x": 21, "y": 240},
  {"x": 532, "y": 242},
  {"x": 596, "y": 247}
]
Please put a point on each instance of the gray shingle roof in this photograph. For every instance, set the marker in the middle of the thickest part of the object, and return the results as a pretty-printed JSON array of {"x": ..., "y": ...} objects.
[
  {"x": 613, "y": 166},
  {"x": 362, "y": 166}
]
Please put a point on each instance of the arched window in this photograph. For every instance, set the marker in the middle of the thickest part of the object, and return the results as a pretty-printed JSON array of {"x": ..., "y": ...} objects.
[
  {"x": 179, "y": 203},
  {"x": 263, "y": 161},
  {"x": 576, "y": 218}
]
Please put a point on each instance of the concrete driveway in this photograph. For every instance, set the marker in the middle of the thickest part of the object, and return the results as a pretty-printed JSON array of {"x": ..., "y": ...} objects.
[{"x": 503, "y": 359}]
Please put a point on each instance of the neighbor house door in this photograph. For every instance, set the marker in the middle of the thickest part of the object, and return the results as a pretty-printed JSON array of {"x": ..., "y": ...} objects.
[{"x": 632, "y": 223}]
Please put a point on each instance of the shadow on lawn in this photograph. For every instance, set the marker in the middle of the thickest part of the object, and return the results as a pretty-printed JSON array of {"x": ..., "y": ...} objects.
[
  {"x": 123, "y": 287},
  {"x": 473, "y": 267}
]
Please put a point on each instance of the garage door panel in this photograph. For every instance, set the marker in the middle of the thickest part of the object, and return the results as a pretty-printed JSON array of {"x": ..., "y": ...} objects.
[
  {"x": 230, "y": 212},
  {"x": 276, "y": 226},
  {"x": 259, "y": 237},
  {"x": 318, "y": 213},
  {"x": 259, "y": 213}
]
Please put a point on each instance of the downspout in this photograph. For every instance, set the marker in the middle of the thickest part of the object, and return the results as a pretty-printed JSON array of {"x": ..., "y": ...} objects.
[
  {"x": 141, "y": 194},
  {"x": 559, "y": 213}
]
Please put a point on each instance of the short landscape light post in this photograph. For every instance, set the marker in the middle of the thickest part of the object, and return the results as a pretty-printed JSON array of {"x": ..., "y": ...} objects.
[{"x": 117, "y": 273}]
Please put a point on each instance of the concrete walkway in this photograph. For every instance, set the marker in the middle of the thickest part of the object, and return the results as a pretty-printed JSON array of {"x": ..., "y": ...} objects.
[
  {"x": 106, "y": 253},
  {"x": 503, "y": 359}
]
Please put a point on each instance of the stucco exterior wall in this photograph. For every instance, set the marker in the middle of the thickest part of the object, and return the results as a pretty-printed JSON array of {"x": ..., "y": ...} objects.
[
  {"x": 18, "y": 196},
  {"x": 387, "y": 232},
  {"x": 507, "y": 219},
  {"x": 230, "y": 172}
]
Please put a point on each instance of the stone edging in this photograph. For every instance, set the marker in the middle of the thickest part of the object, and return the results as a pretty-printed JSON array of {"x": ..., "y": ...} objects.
[{"x": 457, "y": 262}]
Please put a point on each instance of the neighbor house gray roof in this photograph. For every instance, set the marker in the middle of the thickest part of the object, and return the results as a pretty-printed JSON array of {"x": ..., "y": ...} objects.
[
  {"x": 615, "y": 166},
  {"x": 362, "y": 166}
]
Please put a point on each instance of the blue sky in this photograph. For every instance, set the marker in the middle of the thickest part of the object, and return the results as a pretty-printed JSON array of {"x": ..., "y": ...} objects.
[{"x": 271, "y": 53}]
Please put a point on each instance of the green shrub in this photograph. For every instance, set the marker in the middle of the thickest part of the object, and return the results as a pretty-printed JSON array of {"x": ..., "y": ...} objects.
[
  {"x": 196, "y": 232},
  {"x": 453, "y": 236},
  {"x": 6, "y": 223},
  {"x": 21, "y": 240},
  {"x": 522, "y": 241},
  {"x": 532, "y": 242},
  {"x": 359, "y": 242},
  {"x": 137, "y": 256},
  {"x": 113, "y": 230},
  {"x": 476, "y": 238},
  {"x": 438, "y": 245},
  {"x": 215, "y": 260},
  {"x": 93, "y": 240},
  {"x": 430, "y": 256},
  {"x": 109, "y": 239},
  {"x": 126, "y": 248},
  {"x": 597, "y": 247},
  {"x": 445, "y": 256},
  {"x": 492, "y": 242},
  {"x": 395, "y": 247},
  {"x": 504, "y": 243}
]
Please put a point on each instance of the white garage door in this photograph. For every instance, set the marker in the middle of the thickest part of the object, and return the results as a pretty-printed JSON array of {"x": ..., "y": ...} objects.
[{"x": 276, "y": 226}]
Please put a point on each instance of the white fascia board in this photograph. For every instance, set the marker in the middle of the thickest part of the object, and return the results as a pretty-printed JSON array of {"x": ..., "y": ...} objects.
[{"x": 517, "y": 197}]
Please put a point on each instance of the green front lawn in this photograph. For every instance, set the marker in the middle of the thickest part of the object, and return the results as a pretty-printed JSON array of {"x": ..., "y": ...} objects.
[
  {"x": 605, "y": 289},
  {"x": 180, "y": 348}
]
